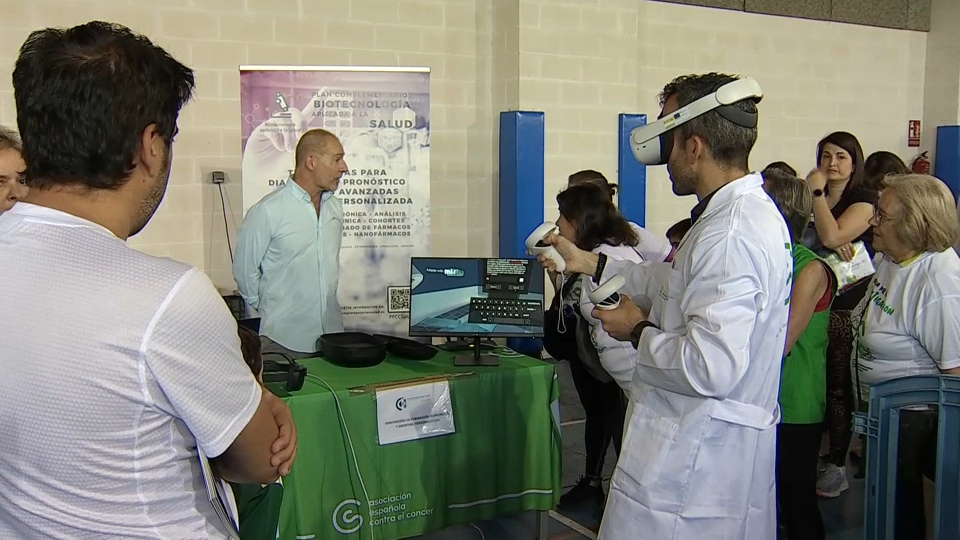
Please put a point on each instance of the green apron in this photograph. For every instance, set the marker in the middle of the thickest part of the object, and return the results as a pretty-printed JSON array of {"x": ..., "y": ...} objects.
[{"x": 803, "y": 387}]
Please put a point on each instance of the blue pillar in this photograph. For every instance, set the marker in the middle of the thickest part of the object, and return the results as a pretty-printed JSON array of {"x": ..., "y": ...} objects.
[
  {"x": 521, "y": 179},
  {"x": 631, "y": 174},
  {"x": 946, "y": 164}
]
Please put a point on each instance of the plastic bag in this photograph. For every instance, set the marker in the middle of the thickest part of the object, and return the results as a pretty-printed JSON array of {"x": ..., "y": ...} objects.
[{"x": 849, "y": 273}]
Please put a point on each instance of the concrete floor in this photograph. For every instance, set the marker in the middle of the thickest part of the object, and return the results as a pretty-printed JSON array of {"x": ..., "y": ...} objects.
[{"x": 843, "y": 516}]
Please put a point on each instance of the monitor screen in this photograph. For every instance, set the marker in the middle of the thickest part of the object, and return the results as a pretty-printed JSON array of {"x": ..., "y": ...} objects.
[{"x": 476, "y": 297}]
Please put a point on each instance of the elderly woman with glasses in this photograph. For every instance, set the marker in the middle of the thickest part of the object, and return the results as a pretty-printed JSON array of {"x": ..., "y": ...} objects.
[{"x": 909, "y": 321}]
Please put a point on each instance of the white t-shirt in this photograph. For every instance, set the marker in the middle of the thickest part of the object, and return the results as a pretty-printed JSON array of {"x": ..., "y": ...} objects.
[
  {"x": 651, "y": 247},
  {"x": 617, "y": 357},
  {"x": 909, "y": 321},
  {"x": 114, "y": 366},
  {"x": 956, "y": 247}
]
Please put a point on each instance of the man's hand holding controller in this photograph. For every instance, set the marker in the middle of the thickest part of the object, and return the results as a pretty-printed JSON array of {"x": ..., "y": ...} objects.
[{"x": 576, "y": 260}]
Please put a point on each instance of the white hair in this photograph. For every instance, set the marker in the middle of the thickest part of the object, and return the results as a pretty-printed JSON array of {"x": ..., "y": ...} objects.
[{"x": 9, "y": 138}]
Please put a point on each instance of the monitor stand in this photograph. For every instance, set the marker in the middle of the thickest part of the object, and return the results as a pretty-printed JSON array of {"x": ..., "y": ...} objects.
[
  {"x": 475, "y": 359},
  {"x": 468, "y": 344}
]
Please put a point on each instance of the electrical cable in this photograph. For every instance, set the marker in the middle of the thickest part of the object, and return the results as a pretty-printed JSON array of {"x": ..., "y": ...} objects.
[
  {"x": 226, "y": 226},
  {"x": 353, "y": 451},
  {"x": 561, "y": 322},
  {"x": 479, "y": 530},
  {"x": 506, "y": 352}
]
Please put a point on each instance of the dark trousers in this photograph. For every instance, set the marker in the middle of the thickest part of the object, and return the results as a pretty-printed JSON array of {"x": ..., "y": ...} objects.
[
  {"x": 604, "y": 409},
  {"x": 917, "y": 430},
  {"x": 840, "y": 392},
  {"x": 798, "y": 446}
]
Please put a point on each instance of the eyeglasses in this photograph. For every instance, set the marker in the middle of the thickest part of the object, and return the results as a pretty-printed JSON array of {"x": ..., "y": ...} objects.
[{"x": 878, "y": 216}]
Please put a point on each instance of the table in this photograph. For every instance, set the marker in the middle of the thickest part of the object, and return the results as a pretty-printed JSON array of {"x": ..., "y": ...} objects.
[{"x": 503, "y": 459}]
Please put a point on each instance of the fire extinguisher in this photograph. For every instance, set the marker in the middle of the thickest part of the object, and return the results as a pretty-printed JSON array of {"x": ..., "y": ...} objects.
[{"x": 921, "y": 165}]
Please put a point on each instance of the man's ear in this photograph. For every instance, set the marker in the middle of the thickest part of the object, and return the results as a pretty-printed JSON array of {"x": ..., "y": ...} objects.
[
  {"x": 311, "y": 162},
  {"x": 152, "y": 148},
  {"x": 695, "y": 148}
]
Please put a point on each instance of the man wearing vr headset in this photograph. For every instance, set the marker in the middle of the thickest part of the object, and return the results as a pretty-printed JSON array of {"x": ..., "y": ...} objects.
[{"x": 699, "y": 451}]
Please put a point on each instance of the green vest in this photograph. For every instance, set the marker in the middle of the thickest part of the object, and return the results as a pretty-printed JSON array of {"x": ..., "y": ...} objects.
[{"x": 803, "y": 386}]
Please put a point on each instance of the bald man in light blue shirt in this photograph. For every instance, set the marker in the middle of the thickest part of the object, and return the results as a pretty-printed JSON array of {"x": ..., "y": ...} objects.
[{"x": 288, "y": 252}]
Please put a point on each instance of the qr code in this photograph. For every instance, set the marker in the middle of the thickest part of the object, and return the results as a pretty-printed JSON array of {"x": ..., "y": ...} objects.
[{"x": 398, "y": 299}]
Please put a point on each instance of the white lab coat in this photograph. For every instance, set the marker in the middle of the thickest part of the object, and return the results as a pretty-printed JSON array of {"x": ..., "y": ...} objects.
[{"x": 699, "y": 449}]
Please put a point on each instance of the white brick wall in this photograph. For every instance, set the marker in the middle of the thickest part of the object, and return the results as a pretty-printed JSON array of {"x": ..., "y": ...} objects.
[
  {"x": 216, "y": 36},
  {"x": 942, "y": 76},
  {"x": 581, "y": 62},
  {"x": 585, "y": 62}
]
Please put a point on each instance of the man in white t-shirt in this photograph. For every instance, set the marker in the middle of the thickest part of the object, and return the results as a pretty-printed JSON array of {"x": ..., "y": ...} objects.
[{"x": 116, "y": 365}]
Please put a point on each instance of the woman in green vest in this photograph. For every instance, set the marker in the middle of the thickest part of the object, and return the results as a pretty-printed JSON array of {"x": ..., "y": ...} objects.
[{"x": 803, "y": 374}]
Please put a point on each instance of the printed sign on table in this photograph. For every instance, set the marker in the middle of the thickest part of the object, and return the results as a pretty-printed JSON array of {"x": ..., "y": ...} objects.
[
  {"x": 382, "y": 117},
  {"x": 409, "y": 413}
]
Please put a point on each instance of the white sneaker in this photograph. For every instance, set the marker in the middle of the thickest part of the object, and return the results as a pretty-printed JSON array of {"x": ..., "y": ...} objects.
[{"x": 832, "y": 481}]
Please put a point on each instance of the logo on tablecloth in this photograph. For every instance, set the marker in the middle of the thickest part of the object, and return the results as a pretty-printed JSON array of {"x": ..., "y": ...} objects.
[
  {"x": 380, "y": 511},
  {"x": 347, "y": 518}
]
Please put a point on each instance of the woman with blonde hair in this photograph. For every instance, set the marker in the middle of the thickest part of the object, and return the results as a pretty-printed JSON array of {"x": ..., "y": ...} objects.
[{"x": 909, "y": 321}]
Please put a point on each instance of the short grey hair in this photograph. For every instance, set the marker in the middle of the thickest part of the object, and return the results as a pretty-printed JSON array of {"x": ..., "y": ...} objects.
[
  {"x": 927, "y": 211},
  {"x": 792, "y": 197},
  {"x": 9, "y": 138}
]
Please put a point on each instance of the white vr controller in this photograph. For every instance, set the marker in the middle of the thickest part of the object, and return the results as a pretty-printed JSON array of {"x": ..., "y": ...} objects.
[
  {"x": 536, "y": 246},
  {"x": 607, "y": 296}
]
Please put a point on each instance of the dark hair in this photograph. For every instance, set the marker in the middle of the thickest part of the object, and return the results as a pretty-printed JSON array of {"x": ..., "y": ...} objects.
[
  {"x": 779, "y": 166},
  {"x": 250, "y": 347},
  {"x": 596, "y": 178},
  {"x": 729, "y": 144},
  {"x": 84, "y": 96},
  {"x": 679, "y": 229},
  {"x": 849, "y": 143},
  {"x": 792, "y": 197},
  {"x": 878, "y": 166},
  {"x": 597, "y": 220}
]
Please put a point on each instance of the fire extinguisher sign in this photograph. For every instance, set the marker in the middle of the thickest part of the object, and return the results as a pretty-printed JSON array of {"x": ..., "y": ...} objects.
[{"x": 913, "y": 133}]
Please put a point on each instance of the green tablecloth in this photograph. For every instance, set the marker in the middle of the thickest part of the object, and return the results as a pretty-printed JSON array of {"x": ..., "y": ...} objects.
[{"x": 504, "y": 457}]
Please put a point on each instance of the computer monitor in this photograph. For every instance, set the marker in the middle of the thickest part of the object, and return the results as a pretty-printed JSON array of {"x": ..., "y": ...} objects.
[{"x": 476, "y": 298}]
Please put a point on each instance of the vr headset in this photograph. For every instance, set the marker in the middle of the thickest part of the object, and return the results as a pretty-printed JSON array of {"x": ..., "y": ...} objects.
[
  {"x": 652, "y": 143},
  {"x": 290, "y": 373}
]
